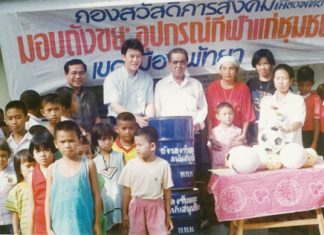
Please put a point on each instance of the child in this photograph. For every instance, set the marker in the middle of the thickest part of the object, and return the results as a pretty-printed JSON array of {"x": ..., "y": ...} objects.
[
  {"x": 147, "y": 180},
  {"x": 70, "y": 105},
  {"x": 109, "y": 164},
  {"x": 16, "y": 117},
  {"x": 39, "y": 129},
  {"x": 69, "y": 102},
  {"x": 7, "y": 182},
  {"x": 320, "y": 144},
  {"x": 226, "y": 133},
  {"x": 42, "y": 148},
  {"x": 85, "y": 149},
  {"x": 18, "y": 197},
  {"x": 51, "y": 108},
  {"x": 311, "y": 128},
  {"x": 125, "y": 127},
  {"x": 32, "y": 101},
  {"x": 72, "y": 204}
]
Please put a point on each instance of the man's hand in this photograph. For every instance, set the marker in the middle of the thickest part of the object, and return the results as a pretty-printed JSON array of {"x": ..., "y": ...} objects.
[{"x": 141, "y": 121}]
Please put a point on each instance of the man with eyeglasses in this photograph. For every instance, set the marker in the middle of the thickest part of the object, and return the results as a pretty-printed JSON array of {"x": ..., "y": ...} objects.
[
  {"x": 180, "y": 95},
  {"x": 87, "y": 114}
]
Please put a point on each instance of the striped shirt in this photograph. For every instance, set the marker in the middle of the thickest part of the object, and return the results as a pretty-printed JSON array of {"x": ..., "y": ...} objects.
[{"x": 18, "y": 202}]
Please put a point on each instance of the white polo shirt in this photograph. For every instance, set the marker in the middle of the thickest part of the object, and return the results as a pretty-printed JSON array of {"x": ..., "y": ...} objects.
[
  {"x": 23, "y": 144},
  {"x": 186, "y": 99},
  {"x": 134, "y": 93},
  {"x": 33, "y": 121}
]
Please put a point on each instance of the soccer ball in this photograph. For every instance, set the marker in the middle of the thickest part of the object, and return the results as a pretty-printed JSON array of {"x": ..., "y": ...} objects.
[
  {"x": 243, "y": 159},
  {"x": 293, "y": 155},
  {"x": 272, "y": 139},
  {"x": 269, "y": 160}
]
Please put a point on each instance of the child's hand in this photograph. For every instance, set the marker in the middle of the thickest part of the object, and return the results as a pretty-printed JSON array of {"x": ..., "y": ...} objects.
[
  {"x": 126, "y": 222},
  {"x": 240, "y": 140},
  {"x": 97, "y": 229},
  {"x": 169, "y": 224},
  {"x": 215, "y": 145}
]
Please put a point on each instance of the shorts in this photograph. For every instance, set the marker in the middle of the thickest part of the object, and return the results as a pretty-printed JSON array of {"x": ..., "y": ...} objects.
[{"x": 147, "y": 217}]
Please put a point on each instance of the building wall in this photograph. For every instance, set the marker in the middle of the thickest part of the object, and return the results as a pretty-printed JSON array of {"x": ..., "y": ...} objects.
[{"x": 4, "y": 94}]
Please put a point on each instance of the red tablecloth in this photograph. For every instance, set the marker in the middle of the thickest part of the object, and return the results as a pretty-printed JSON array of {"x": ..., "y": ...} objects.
[{"x": 263, "y": 193}]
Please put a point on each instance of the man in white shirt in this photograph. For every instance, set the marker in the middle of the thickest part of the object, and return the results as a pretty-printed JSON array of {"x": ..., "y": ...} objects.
[
  {"x": 129, "y": 89},
  {"x": 180, "y": 95}
]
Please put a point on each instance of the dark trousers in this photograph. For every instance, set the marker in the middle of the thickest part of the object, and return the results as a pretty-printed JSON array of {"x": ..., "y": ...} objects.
[
  {"x": 307, "y": 138},
  {"x": 202, "y": 157},
  {"x": 203, "y": 164}
]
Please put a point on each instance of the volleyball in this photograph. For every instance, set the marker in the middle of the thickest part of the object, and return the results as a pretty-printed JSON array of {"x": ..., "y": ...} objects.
[
  {"x": 243, "y": 159},
  {"x": 293, "y": 155}
]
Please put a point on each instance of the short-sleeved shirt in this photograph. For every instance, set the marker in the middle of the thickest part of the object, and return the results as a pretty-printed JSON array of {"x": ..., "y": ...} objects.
[
  {"x": 313, "y": 110},
  {"x": 146, "y": 180},
  {"x": 23, "y": 144},
  {"x": 226, "y": 137},
  {"x": 18, "y": 202},
  {"x": 239, "y": 97},
  {"x": 87, "y": 109},
  {"x": 291, "y": 109},
  {"x": 32, "y": 121},
  {"x": 7, "y": 181},
  {"x": 129, "y": 153},
  {"x": 134, "y": 93},
  {"x": 187, "y": 99}
]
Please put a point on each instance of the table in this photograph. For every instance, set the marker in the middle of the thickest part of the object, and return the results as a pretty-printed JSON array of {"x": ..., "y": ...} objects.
[{"x": 239, "y": 197}]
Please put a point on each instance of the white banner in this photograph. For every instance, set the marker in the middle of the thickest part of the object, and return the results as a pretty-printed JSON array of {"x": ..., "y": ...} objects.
[{"x": 35, "y": 45}]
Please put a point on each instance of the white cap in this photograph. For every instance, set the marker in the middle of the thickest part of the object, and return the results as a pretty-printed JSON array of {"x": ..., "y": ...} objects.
[{"x": 228, "y": 59}]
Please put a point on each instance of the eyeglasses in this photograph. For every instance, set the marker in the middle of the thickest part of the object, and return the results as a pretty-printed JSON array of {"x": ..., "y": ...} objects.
[{"x": 181, "y": 62}]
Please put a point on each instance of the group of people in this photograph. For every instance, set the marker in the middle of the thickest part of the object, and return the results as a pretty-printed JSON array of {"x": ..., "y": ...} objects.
[
  {"x": 240, "y": 112},
  {"x": 63, "y": 183},
  {"x": 78, "y": 174}
]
